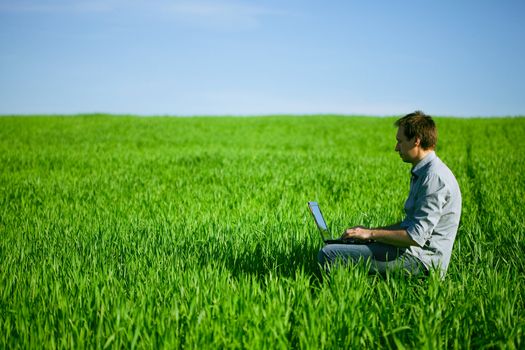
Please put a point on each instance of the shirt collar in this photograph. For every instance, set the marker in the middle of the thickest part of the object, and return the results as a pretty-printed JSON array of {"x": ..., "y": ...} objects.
[{"x": 418, "y": 168}]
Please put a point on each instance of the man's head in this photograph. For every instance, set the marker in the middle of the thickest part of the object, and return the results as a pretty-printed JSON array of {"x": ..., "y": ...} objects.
[{"x": 416, "y": 136}]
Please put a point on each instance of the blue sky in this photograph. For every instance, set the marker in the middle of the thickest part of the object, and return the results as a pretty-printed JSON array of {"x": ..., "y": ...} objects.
[{"x": 233, "y": 57}]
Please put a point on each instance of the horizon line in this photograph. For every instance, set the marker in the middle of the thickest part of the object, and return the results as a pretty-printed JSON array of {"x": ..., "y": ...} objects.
[{"x": 240, "y": 115}]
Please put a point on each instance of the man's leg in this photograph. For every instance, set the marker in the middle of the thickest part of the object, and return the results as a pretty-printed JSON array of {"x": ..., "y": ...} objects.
[{"x": 382, "y": 257}]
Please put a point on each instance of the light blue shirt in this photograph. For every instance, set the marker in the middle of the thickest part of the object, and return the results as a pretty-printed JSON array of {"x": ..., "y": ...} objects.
[{"x": 433, "y": 210}]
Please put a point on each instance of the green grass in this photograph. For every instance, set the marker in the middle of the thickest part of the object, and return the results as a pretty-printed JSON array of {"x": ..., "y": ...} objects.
[{"x": 122, "y": 232}]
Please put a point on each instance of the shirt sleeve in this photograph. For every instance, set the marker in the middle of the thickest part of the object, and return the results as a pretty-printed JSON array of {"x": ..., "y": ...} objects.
[{"x": 430, "y": 199}]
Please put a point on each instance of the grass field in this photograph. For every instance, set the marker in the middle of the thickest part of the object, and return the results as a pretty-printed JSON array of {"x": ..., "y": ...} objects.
[{"x": 123, "y": 232}]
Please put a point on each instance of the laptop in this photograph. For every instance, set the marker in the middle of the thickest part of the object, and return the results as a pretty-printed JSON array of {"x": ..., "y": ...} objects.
[{"x": 326, "y": 235}]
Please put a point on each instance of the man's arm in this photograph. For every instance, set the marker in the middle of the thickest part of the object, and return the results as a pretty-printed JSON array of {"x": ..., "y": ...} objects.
[{"x": 393, "y": 234}]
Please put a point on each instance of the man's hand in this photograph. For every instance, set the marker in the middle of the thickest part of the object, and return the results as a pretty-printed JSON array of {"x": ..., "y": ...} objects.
[
  {"x": 394, "y": 235},
  {"x": 358, "y": 232}
]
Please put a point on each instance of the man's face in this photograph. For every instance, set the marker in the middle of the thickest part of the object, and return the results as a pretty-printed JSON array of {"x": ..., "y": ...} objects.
[{"x": 406, "y": 148}]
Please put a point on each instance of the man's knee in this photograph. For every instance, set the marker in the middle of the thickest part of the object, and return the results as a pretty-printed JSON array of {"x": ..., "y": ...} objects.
[
  {"x": 322, "y": 256},
  {"x": 330, "y": 255},
  {"x": 348, "y": 254}
]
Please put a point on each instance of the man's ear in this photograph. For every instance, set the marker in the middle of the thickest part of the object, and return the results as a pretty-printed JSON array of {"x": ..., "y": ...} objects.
[{"x": 417, "y": 141}]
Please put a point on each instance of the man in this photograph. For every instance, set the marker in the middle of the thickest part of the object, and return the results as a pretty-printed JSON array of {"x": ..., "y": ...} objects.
[{"x": 424, "y": 239}]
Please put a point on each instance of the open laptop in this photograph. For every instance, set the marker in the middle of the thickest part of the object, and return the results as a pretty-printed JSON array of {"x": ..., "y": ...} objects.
[{"x": 326, "y": 235}]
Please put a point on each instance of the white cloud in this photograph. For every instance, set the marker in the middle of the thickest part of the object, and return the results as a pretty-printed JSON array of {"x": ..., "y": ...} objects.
[
  {"x": 217, "y": 14},
  {"x": 218, "y": 9},
  {"x": 58, "y": 6},
  {"x": 222, "y": 13}
]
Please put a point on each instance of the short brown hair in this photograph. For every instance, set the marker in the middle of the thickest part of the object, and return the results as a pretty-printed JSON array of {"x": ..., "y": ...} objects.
[{"x": 419, "y": 125}]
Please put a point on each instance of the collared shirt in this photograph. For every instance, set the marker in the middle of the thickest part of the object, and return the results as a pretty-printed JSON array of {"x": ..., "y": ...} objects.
[{"x": 433, "y": 210}]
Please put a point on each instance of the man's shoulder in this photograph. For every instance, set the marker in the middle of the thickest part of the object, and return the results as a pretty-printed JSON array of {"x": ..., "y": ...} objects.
[
  {"x": 436, "y": 165},
  {"x": 438, "y": 170}
]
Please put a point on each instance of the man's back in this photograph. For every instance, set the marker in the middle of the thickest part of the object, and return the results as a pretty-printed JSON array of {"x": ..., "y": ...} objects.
[{"x": 433, "y": 211}]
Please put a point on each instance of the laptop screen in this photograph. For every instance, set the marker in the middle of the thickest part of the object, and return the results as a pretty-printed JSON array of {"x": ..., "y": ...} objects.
[{"x": 319, "y": 220}]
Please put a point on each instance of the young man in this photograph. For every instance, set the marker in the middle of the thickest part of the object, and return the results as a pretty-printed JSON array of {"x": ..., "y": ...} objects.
[{"x": 424, "y": 239}]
